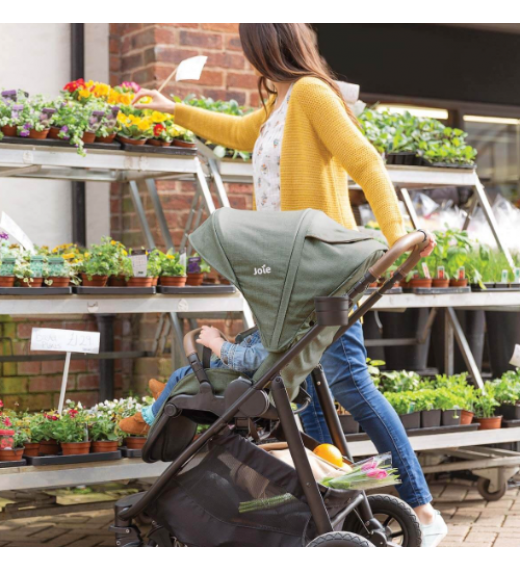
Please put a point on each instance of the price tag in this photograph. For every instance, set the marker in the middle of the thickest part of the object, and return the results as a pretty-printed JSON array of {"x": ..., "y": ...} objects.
[
  {"x": 14, "y": 231},
  {"x": 139, "y": 265},
  {"x": 182, "y": 259},
  {"x": 461, "y": 273},
  {"x": 515, "y": 360},
  {"x": 59, "y": 340},
  {"x": 191, "y": 68},
  {"x": 441, "y": 274}
]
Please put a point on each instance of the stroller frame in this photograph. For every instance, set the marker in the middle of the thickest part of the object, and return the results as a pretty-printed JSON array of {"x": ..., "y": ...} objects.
[{"x": 330, "y": 311}]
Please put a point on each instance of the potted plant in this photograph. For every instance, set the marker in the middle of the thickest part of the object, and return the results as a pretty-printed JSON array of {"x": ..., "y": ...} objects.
[
  {"x": 12, "y": 104},
  {"x": 122, "y": 265},
  {"x": 61, "y": 271},
  {"x": 404, "y": 404},
  {"x": 12, "y": 437},
  {"x": 36, "y": 119},
  {"x": 72, "y": 433},
  {"x": 507, "y": 393},
  {"x": 99, "y": 263},
  {"x": 28, "y": 269},
  {"x": 42, "y": 430},
  {"x": 426, "y": 403},
  {"x": 104, "y": 433},
  {"x": 182, "y": 137},
  {"x": 162, "y": 124},
  {"x": 347, "y": 421},
  {"x": 419, "y": 278},
  {"x": 107, "y": 130},
  {"x": 173, "y": 270},
  {"x": 398, "y": 380},
  {"x": 124, "y": 408},
  {"x": 485, "y": 406},
  {"x": 449, "y": 403},
  {"x": 134, "y": 129},
  {"x": 197, "y": 267},
  {"x": 7, "y": 266}
]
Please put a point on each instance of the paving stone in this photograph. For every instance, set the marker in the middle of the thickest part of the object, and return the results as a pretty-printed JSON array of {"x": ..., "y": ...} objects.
[{"x": 507, "y": 542}]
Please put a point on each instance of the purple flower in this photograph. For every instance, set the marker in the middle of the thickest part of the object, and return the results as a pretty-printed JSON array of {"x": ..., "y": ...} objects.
[
  {"x": 64, "y": 130},
  {"x": 194, "y": 264},
  {"x": 3, "y": 235},
  {"x": 11, "y": 94},
  {"x": 16, "y": 110},
  {"x": 25, "y": 130}
]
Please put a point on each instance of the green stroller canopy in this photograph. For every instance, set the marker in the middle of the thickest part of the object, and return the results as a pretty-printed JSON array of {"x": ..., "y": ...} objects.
[{"x": 281, "y": 261}]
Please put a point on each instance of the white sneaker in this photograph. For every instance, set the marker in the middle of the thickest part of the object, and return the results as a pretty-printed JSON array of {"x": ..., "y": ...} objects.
[{"x": 433, "y": 533}]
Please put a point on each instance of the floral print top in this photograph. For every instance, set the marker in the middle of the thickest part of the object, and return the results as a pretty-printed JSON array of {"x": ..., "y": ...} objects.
[{"x": 266, "y": 159}]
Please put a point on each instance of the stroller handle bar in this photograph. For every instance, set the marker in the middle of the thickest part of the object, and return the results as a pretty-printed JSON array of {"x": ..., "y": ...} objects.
[
  {"x": 190, "y": 345},
  {"x": 415, "y": 241}
]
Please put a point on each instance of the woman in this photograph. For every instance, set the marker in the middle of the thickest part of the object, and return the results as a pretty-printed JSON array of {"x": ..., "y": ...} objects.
[{"x": 304, "y": 141}]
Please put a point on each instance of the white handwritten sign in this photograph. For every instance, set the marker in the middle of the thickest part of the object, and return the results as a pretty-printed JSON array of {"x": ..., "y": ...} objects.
[
  {"x": 59, "y": 340},
  {"x": 139, "y": 265},
  {"x": 190, "y": 69},
  {"x": 16, "y": 232},
  {"x": 515, "y": 359}
]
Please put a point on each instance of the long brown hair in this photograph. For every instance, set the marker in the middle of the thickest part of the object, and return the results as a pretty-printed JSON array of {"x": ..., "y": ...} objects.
[{"x": 285, "y": 52}]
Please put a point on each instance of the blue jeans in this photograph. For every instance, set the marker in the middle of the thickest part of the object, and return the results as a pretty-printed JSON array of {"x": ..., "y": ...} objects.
[{"x": 344, "y": 364}]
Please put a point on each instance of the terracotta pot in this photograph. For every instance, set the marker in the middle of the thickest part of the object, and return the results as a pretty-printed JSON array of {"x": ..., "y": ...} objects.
[
  {"x": 135, "y": 442},
  {"x": 184, "y": 144},
  {"x": 49, "y": 447},
  {"x": 32, "y": 450},
  {"x": 135, "y": 142},
  {"x": 157, "y": 142},
  {"x": 81, "y": 448},
  {"x": 195, "y": 279},
  {"x": 9, "y": 131},
  {"x": 96, "y": 281},
  {"x": 38, "y": 135},
  {"x": 458, "y": 282},
  {"x": 223, "y": 281},
  {"x": 53, "y": 133},
  {"x": 104, "y": 446},
  {"x": 88, "y": 138},
  {"x": 424, "y": 283},
  {"x": 11, "y": 454},
  {"x": 36, "y": 282},
  {"x": 490, "y": 423},
  {"x": 155, "y": 281},
  {"x": 170, "y": 281},
  {"x": 466, "y": 417},
  {"x": 140, "y": 282},
  {"x": 373, "y": 285},
  {"x": 7, "y": 281},
  {"x": 59, "y": 281},
  {"x": 442, "y": 283},
  {"x": 106, "y": 140},
  {"x": 117, "y": 281}
]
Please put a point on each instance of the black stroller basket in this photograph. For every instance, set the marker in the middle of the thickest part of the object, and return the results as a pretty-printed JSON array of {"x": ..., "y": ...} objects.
[{"x": 221, "y": 489}]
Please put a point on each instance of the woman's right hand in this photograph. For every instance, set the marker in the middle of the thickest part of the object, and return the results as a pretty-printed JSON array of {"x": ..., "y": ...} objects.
[{"x": 158, "y": 101}]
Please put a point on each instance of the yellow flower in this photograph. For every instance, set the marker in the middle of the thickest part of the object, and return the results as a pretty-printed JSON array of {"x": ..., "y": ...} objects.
[
  {"x": 158, "y": 117},
  {"x": 87, "y": 254},
  {"x": 125, "y": 252},
  {"x": 126, "y": 98},
  {"x": 89, "y": 84},
  {"x": 84, "y": 93},
  {"x": 68, "y": 256},
  {"x": 144, "y": 124},
  {"x": 170, "y": 256},
  {"x": 145, "y": 100},
  {"x": 113, "y": 242},
  {"x": 101, "y": 90}
]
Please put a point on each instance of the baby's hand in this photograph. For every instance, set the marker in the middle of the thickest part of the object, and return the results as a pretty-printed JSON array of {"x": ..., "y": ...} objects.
[{"x": 207, "y": 335}]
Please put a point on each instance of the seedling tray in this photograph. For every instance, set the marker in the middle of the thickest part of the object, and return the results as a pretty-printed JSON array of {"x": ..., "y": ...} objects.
[
  {"x": 59, "y": 143},
  {"x": 150, "y": 149},
  {"x": 510, "y": 423},
  {"x": 73, "y": 459},
  {"x": 424, "y": 431},
  {"x": 35, "y": 291},
  {"x": 114, "y": 291},
  {"x": 438, "y": 290},
  {"x": 7, "y": 464},
  {"x": 131, "y": 453},
  {"x": 408, "y": 159},
  {"x": 198, "y": 290}
]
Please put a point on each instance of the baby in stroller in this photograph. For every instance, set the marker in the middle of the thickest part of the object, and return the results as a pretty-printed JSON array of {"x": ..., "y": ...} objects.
[{"x": 245, "y": 355}]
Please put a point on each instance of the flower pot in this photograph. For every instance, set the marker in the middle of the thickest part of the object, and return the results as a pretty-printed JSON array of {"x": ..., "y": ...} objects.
[
  {"x": 11, "y": 454},
  {"x": 135, "y": 442},
  {"x": 38, "y": 135},
  {"x": 7, "y": 281},
  {"x": 172, "y": 281},
  {"x": 411, "y": 421},
  {"x": 134, "y": 142},
  {"x": 184, "y": 144},
  {"x": 155, "y": 281},
  {"x": 419, "y": 282},
  {"x": 59, "y": 281},
  {"x": 489, "y": 423},
  {"x": 441, "y": 283},
  {"x": 195, "y": 279},
  {"x": 509, "y": 411},
  {"x": 349, "y": 424},
  {"x": 81, "y": 448},
  {"x": 49, "y": 447},
  {"x": 458, "y": 282},
  {"x": 430, "y": 418},
  {"x": 32, "y": 450},
  {"x": 95, "y": 281},
  {"x": 104, "y": 446},
  {"x": 140, "y": 282},
  {"x": 158, "y": 142},
  {"x": 117, "y": 281},
  {"x": 9, "y": 131},
  {"x": 36, "y": 282},
  {"x": 451, "y": 417},
  {"x": 53, "y": 133},
  {"x": 88, "y": 138},
  {"x": 466, "y": 417},
  {"x": 223, "y": 281},
  {"x": 106, "y": 140}
]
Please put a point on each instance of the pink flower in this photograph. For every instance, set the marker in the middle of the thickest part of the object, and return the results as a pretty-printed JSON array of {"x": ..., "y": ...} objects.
[
  {"x": 369, "y": 465},
  {"x": 1, "y": 404},
  {"x": 377, "y": 473},
  {"x": 7, "y": 422}
]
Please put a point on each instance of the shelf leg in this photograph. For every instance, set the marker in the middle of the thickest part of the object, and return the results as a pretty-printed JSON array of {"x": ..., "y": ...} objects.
[
  {"x": 449, "y": 363},
  {"x": 193, "y": 209},
  {"x": 159, "y": 212},
  {"x": 219, "y": 184},
  {"x": 410, "y": 208},
  {"x": 178, "y": 354},
  {"x": 139, "y": 208}
]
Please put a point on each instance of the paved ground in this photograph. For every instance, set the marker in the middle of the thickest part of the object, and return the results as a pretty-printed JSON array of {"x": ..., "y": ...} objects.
[{"x": 472, "y": 522}]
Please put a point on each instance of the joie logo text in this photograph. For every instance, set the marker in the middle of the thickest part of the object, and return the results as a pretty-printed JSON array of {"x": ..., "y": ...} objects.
[{"x": 262, "y": 270}]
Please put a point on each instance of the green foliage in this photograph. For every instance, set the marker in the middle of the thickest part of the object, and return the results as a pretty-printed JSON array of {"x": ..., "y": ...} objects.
[
  {"x": 104, "y": 427},
  {"x": 103, "y": 259},
  {"x": 486, "y": 404},
  {"x": 453, "y": 251},
  {"x": 171, "y": 264},
  {"x": 71, "y": 427},
  {"x": 402, "y": 402},
  {"x": 507, "y": 388},
  {"x": 399, "y": 381},
  {"x": 154, "y": 263}
]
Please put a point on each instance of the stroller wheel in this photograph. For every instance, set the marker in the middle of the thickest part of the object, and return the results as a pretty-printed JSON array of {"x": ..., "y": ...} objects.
[
  {"x": 340, "y": 539},
  {"x": 400, "y": 523}
]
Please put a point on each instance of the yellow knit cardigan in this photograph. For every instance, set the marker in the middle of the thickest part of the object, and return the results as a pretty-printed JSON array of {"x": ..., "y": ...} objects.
[{"x": 320, "y": 146}]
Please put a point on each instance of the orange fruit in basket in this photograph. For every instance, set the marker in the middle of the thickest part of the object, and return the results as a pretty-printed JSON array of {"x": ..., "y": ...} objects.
[{"x": 330, "y": 453}]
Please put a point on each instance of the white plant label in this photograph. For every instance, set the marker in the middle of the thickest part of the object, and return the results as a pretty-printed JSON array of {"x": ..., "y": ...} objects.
[
  {"x": 517, "y": 275},
  {"x": 515, "y": 360},
  {"x": 16, "y": 232},
  {"x": 182, "y": 259},
  {"x": 426, "y": 271},
  {"x": 505, "y": 276},
  {"x": 191, "y": 69},
  {"x": 139, "y": 265},
  {"x": 59, "y": 340}
]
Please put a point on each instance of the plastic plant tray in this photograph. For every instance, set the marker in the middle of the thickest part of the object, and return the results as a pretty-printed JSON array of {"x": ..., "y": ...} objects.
[
  {"x": 35, "y": 291},
  {"x": 392, "y": 291},
  {"x": 114, "y": 291},
  {"x": 423, "y": 431},
  {"x": 73, "y": 459},
  {"x": 510, "y": 423},
  {"x": 131, "y": 453},
  {"x": 197, "y": 290},
  {"x": 8, "y": 464},
  {"x": 438, "y": 290},
  {"x": 168, "y": 150},
  {"x": 59, "y": 143}
]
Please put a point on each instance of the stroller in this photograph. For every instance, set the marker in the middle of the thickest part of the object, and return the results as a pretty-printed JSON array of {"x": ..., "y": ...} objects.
[{"x": 302, "y": 274}]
